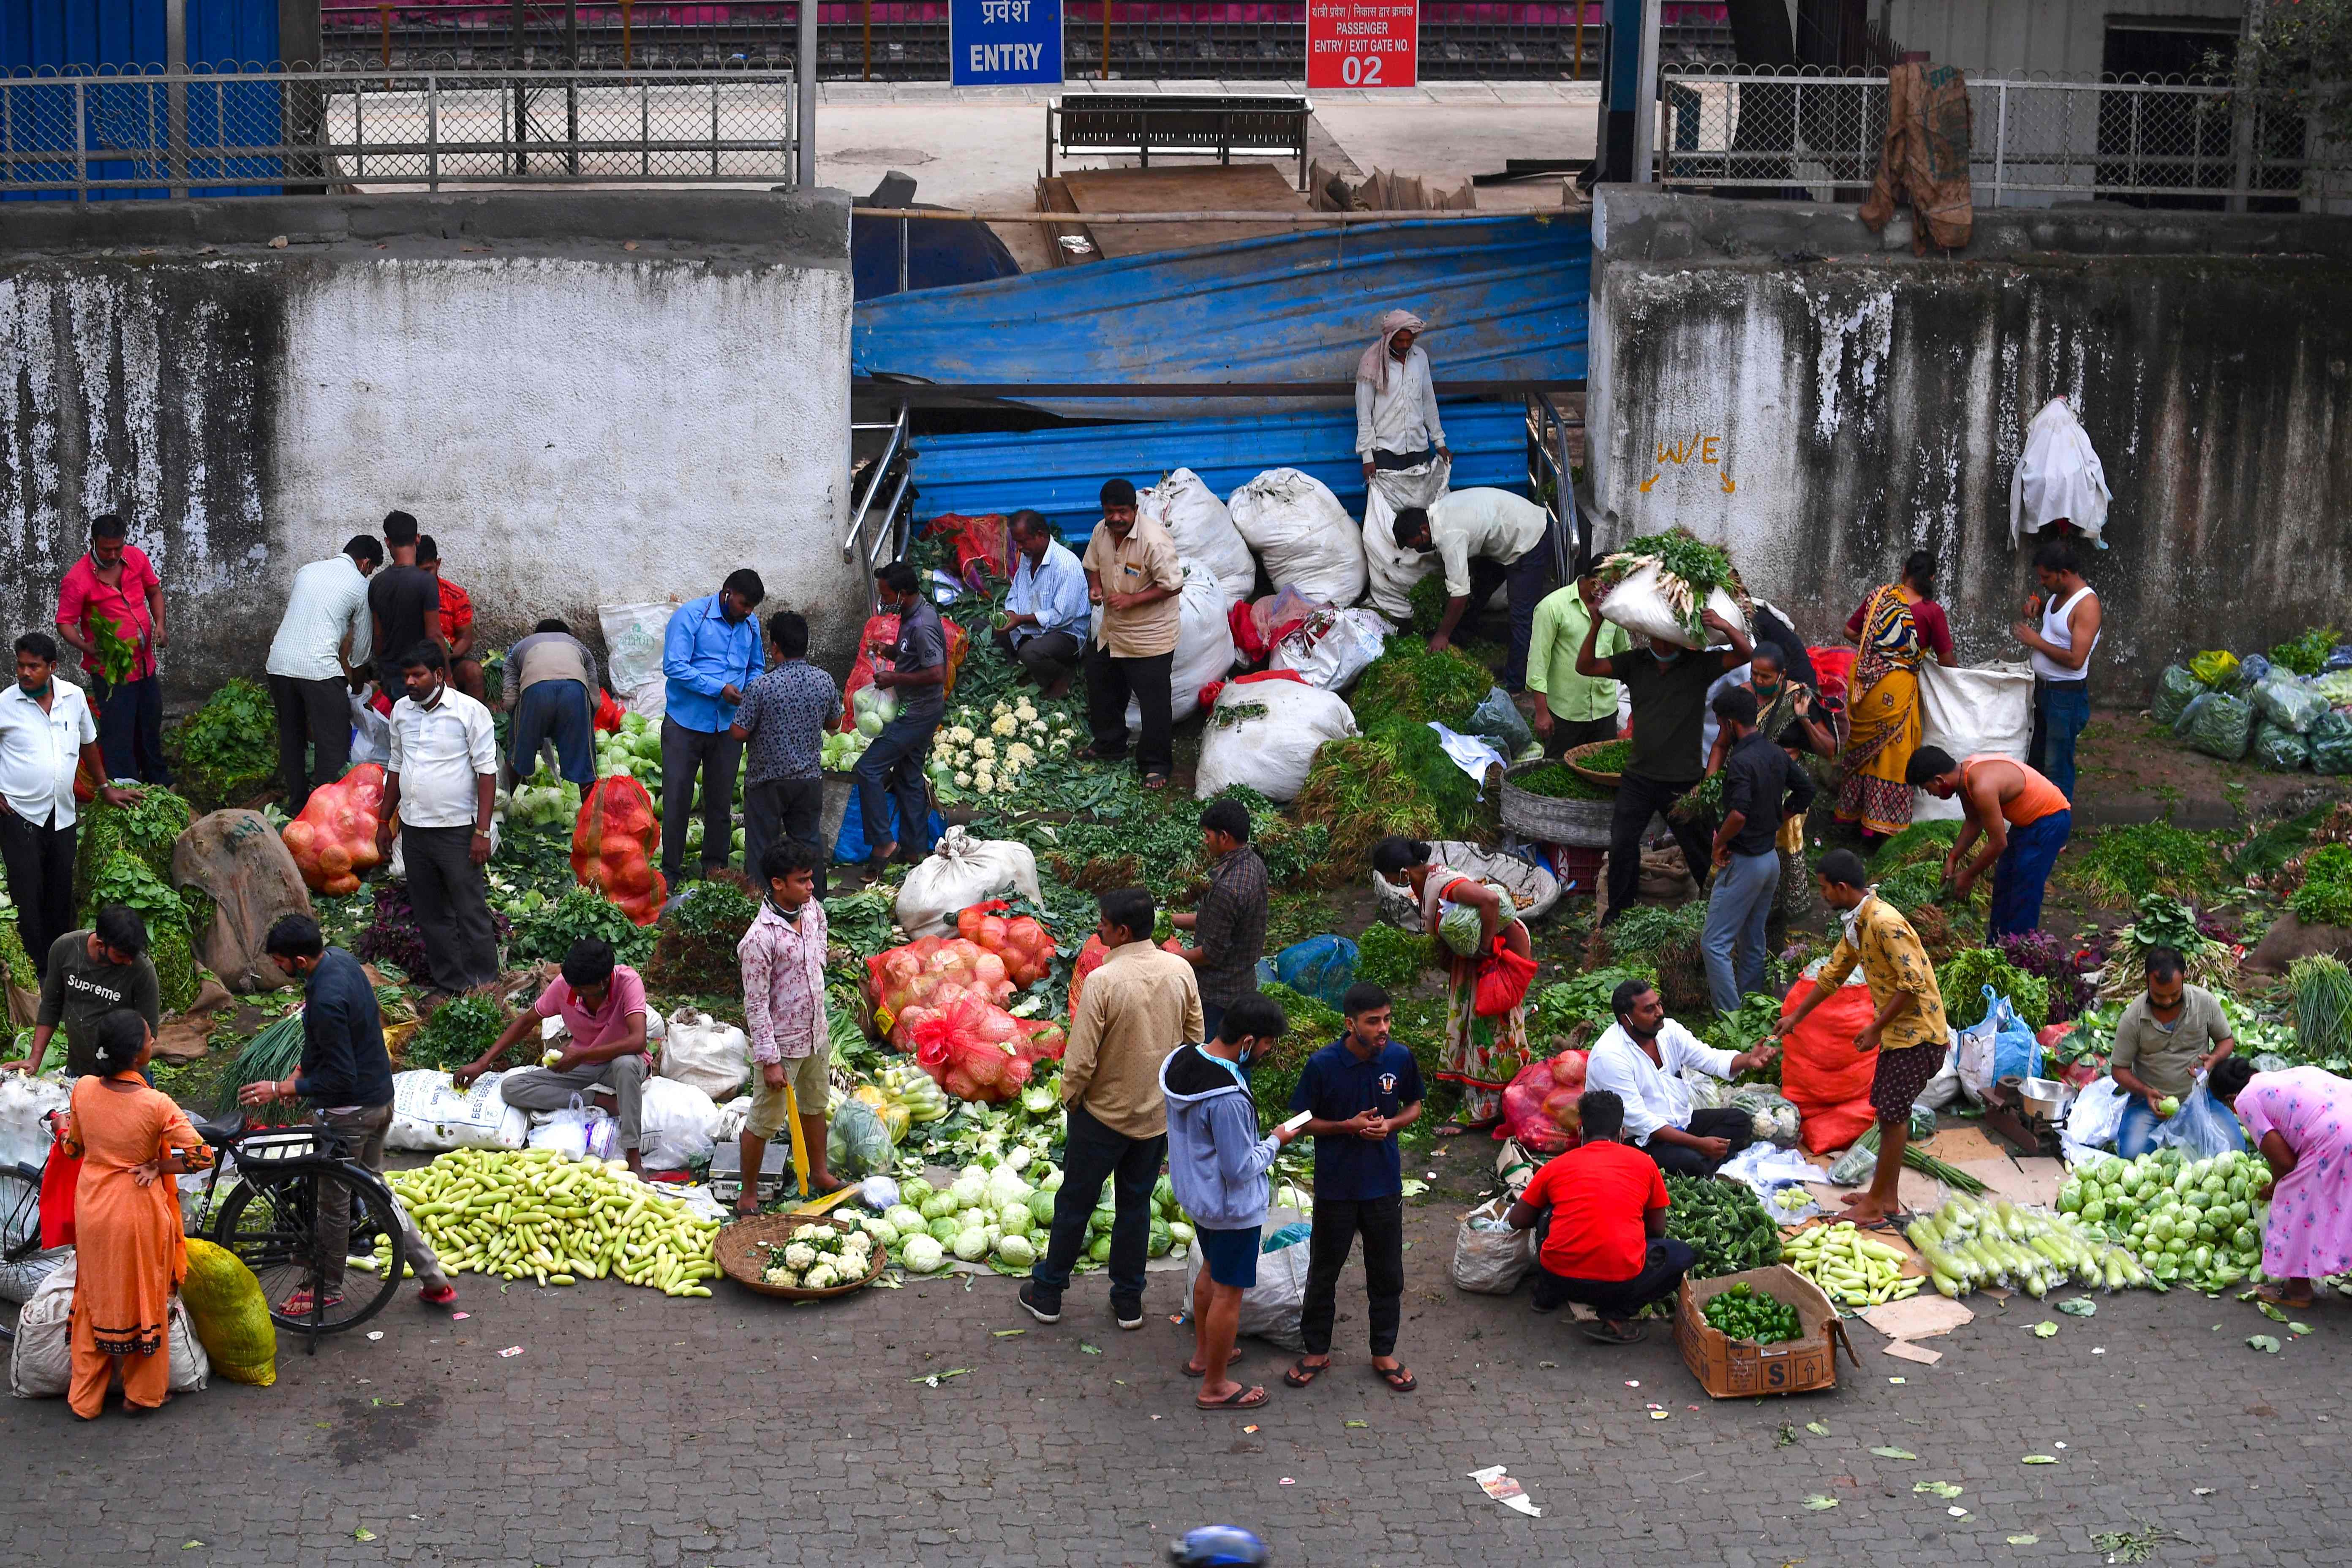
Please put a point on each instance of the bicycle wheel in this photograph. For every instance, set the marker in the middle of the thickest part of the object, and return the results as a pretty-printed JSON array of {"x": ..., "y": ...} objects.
[
  {"x": 20, "y": 1221},
  {"x": 274, "y": 1229}
]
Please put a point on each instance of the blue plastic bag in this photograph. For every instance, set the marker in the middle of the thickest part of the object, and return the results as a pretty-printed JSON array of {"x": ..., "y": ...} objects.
[
  {"x": 1322, "y": 967},
  {"x": 850, "y": 848},
  {"x": 2000, "y": 1046}
]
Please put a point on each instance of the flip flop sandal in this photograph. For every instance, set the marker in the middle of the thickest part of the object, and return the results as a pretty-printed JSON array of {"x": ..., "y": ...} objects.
[
  {"x": 2281, "y": 1299},
  {"x": 1240, "y": 1399},
  {"x": 1300, "y": 1373},
  {"x": 1619, "y": 1335},
  {"x": 1399, "y": 1379},
  {"x": 1155, "y": 781},
  {"x": 1231, "y": 1361}
]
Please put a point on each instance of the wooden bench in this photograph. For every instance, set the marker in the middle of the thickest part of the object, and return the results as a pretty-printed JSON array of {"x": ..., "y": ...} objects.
[{"x": 1147, "y": 122}]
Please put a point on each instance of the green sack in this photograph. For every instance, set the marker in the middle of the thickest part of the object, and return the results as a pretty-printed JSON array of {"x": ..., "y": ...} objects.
[
  {"x": 2175, "y": 689},
  {"x": 2281, "y": 750},
  {"x": 1458, "y": 925},
  {"x": 2219, "y": 725},
  {"x": 2331, "y": 744},
  {"x": 2289, "y": 703}
]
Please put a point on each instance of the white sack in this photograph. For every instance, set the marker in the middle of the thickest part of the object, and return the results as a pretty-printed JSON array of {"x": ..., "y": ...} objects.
[
  {"x": 712, "y": 1056},
  {"x": 1272, "y": 752},
  {"x": 1271, "y": 1308},
  {"x": 430, "y": 1114},
  {"x": 1637, "y": 605},
  {"x": 1305, "y": 536},
  {"x": 1490, "y": 1262},
  {"x": 1203, "y": 529},
  {"x": 2057, "y": 476},
  {"x": 676, "y": 1124},
  {"x": 1204, "y": 646},
  {"x": 1393, "y": 570},
  {"x": 962, "y": 872},
  {"x": 24, "y": 1140},
  {"x": 1967, "y": 711},
  {"x": 633, "y": 655},
  {"x": 1331, "y": 649}
]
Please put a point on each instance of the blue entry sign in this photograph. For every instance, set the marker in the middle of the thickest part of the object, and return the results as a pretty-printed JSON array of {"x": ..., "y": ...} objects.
[{"x": 1004, "y": 43}]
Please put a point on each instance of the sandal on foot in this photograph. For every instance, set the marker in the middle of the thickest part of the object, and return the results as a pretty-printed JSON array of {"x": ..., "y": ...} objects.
[
  {"x": 1245, "y": 1398},
  {"x": 1399, "y": 1379},
  {"x": 1304, "y": 1372},
  {"x": 1604, "y": 1332},
  {"x": 2278, "y": 1298},
  {"x": 1192, "y": 1371}
]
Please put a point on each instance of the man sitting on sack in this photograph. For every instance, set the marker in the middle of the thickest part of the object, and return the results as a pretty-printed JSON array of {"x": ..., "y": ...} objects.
[{"x": 603, "y": 1006}]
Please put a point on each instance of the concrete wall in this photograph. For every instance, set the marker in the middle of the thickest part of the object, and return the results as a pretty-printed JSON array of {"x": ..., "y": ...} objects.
[
  {"x": 589, "y": 400},
  {"x": 1780, "y": 380}
]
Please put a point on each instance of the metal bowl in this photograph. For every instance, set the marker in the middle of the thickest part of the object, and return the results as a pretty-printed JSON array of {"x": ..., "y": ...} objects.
[{"x": 2043, "y": 1096}]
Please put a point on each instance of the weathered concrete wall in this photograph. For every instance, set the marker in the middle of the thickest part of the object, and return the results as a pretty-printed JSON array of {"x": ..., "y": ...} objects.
[
  {"x": 585, "y": 401},
  {"x": 1776, "y": 379}
]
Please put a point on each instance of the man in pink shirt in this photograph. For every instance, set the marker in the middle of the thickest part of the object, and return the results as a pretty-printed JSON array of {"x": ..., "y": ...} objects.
[
  {"x": 603, "y": 1006},
  {"x": 112, "y": 593},
  {"x": 783, "y": 956}
]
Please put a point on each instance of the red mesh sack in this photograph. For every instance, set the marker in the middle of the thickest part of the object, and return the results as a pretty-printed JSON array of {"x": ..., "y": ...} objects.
[
  {"x": 984, "y": 546},
  {"x": 1820, "y": 1072},
  {"x": 613, "y": 842},
  {"x": 608, "y": 713},
  {"x": 1027, "y": 947},
  {"x": 1090, "y": 958},
  {"x": 909, "y": 984},
  {"x": 1539, "y": 1104},
  {"x": 334, "y": 839},
  {"x": 973, "y": 1049},
  {"x": 1834, "y": 667},
  {"x": 873, "y": 646}
]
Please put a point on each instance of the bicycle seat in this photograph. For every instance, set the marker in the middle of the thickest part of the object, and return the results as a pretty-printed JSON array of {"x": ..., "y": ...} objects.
[{"x": 220, "y": 1134}]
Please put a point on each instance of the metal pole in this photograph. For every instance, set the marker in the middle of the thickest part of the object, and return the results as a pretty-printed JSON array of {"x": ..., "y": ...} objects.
[
  {"x": 1105, "y": 69},
  {"x": 869, "y": 39},
  {"x": 383, "y": 16},
  {"x": 627, "y": 51},
  {"x": 903, "y": 236},
  {"x": 81, "y": 143},
  {"x": 572, "y": 87},
  {"x": 1645, "y": 98},
  {"x": 1578, "y": 73},
  {"x": 432, "y": 133},
  {"x": 175, "y": 92},
  {"x": 2001, "y": 142},
  {"x": 804, "y": 97}
]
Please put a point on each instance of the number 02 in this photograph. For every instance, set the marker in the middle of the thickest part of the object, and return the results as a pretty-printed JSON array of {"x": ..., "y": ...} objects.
[{"x": 1360, "y": 70}]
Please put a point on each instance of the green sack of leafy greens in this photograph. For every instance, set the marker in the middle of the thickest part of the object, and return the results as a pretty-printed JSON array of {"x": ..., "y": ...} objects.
[
  {"x": 1458, "y": 927},
  {"x": 2331, "y": 743},
  {"x": 2281, "y": 750},
  {"x": 2216, "y": 667},
  {"x": 2289, "y": 703},
  {"x": 1498, "y": 720},
  {"x": 2219, "y": 725},
  {"x": 2175, "y": 689}
]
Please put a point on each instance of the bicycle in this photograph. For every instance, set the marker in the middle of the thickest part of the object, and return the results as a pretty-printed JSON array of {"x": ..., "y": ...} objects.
[{"x": 275, "y": 1220}]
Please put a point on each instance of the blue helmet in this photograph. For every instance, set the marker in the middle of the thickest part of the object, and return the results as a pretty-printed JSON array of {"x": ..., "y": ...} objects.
[{"x": 1219, "y": 1546}]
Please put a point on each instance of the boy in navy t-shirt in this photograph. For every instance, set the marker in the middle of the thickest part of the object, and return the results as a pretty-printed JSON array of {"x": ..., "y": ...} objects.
[{"x": 1358, "y": 1092}]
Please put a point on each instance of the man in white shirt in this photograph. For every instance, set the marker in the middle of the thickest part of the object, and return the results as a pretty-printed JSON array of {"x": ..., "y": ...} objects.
[
  {"x": 46, "y": 733},
  {"x": 1396, "y": 402},
  {"x": 1641, "y": 1060},
  {"x": 1485, "y": 538},
  {"x": 442, "y": 774},
  {"x": 310, "y": 670}
]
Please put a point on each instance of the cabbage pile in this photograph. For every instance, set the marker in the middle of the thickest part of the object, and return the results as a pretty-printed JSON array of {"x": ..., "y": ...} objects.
[
  {"x": 2190, "y": 1222},
  {"x": 543, "y": 801},
  {"x": 839, "y": 753},
  {"x": 635, "y": 749},
  {"x": 995, "y": 1217},
  {"x": 819, "y": 1258}
]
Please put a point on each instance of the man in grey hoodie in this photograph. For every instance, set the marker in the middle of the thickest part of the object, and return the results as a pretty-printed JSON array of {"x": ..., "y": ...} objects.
[{"x": 1217, "y": 1164}]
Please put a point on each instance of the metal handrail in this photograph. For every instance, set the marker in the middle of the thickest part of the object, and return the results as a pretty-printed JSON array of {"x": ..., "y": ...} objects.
[{"x": 874, "y": 482}]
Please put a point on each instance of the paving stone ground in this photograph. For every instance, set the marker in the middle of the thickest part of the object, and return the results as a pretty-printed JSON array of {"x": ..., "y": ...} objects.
[{"x": 633, "y": 1429}]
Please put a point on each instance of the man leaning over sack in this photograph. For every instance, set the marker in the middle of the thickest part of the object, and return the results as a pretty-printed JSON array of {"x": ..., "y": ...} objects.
[{"x": 603, "y": 1006}]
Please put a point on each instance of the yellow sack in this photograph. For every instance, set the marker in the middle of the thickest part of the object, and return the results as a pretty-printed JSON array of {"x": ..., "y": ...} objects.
[{"x": 231, "y": 1314}]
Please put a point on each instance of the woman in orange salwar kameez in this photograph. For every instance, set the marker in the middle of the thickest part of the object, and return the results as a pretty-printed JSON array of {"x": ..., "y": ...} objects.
[{"x": 129, "y": 1252}]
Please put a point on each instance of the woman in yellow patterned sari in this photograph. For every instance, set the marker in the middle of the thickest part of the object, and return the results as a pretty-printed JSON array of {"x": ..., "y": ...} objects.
[{"x": 1897, "y": 627}]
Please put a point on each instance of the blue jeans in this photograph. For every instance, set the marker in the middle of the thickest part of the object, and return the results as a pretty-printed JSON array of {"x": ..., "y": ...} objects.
[
  {"x": 2062, "y": 708},
  {"x": 2022, "y": 871},
  {"x": 2136, "y": 1133},
  {"x": 1736, "y": 912},
  {"x": 561, "y": 711},
  {"x": 893, "y": 765}
]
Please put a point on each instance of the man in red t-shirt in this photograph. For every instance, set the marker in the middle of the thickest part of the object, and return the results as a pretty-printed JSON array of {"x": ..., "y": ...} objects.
[
  {"x": 456, "y": 623},
  {"x": 1606, "y": 1245}
]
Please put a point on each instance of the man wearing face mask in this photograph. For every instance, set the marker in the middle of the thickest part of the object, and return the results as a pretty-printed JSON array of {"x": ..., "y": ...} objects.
[
  {"x": 1668, "y": 687},
  {"x": 441, "y": 779}
]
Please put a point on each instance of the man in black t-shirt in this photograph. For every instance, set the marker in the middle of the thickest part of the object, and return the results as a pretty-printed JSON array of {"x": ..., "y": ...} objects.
[
  {"x": 1667, "y": 686},
  {"x": 892, "y": 768},
  {"x": 404, "y": 606}
]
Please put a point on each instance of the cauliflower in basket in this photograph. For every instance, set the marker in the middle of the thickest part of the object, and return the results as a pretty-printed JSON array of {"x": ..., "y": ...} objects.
[
  {"x": 962, "y": 735},
  {"x": 824, "y": 1276},
  {"x": 780, "y": 1276},
  {"x": 812, "y": 1232},
  {"x": 799, "y": 1255},
  {"x": 984, "y": 749},
  {"x": 1019, "y": 754},
  {"x": 1022, "y": 711},
  {"x": 963, "y": 779}
]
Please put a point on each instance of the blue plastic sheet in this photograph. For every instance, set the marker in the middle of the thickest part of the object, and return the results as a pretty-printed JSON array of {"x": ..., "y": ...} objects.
[
  {"x": 1322, "y": 967},
  {"x": 850, "y": 846}
]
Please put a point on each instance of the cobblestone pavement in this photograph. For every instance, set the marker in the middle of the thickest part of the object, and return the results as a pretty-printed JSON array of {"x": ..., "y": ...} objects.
[{"x": 633, "y": 1429}]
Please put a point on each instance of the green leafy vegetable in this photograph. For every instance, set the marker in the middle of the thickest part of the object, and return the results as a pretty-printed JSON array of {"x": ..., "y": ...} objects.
[
  {"x": 227, "y": 749},
  {"x": 2122, "y": 864},
  {"x": 1690, "y": 570},
  {"x": 1557, "y": 780},
  {"x": 2307, "y": 654},
  {"x": 1963, "y": 977},
  {"x": 2325, "y": 896},
  {"x": 1393, "y": 959},
  {"x": 459, "y": 1032},
  {"x": 547, "y": 934}
]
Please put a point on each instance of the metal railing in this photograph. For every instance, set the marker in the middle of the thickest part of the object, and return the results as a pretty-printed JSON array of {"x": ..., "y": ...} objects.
[
  {"x": 2159, "y": 143},
  {"x": 1555, "y": 439},
  {"x": 877, "y": 538},
  {"x": 261, "y": 131}
]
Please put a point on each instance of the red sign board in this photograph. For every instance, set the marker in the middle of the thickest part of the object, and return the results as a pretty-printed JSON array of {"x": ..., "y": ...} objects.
[{"x": 1362, "y": 43}]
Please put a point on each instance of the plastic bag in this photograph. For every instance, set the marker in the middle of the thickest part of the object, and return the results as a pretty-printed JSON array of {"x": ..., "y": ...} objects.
[
  {"x": 1322, "y": 967},
  {"x": 962, "y": 871},
  {"x": 1944, "y": 1089},
  {"x": 2202, "y": 1127},
  {"x": 1490, "y": 1259},
  {"x": 333, "y": 840},
  {"x": 2217, "y": 667},
  {"x": 856, "y": 1144},
  {"x": 2331, "y": 744},
  {"x": 1539, "y": 1106},
  {"x": 1997, "y": 1046},
  {"x": 2097, "y": 1114},
  {"x": 1331, "y": 647},
  {"x": 714, "y": 1057},
  {"x": 571, "y": 1132},
  {"x": 1303, "y": 534},
  {"x": 616, "y": 845},
  {"x": 24, "y": 1103},
  {"x": 1203, "y": 529},
  {"x": 1391, "y": 570},
  {"x": 2174, "y": 690},
  {"x": 1820, "y": 1072},
  {"x": 230, "y": 1315},
  {"x": 1271, "y": 750},
  {"x": 370, "y": 731},
  {"x": 1497, "y": 719},
  {"x": 1271, "y": 1307},
  {"x": 634, "y": 635},
  {"x": 882, "y": 632},
  {"x": 677, "y": 1124},
  {"x": 430, "y": 1115},
  {"x": 2252, "y": 670},
  {"x": 1639, "y": 605},
  {"x": 2288, "y": 703},
  {"x": 2218, "y": 724},
  {"x": 1460, "y": 928},
  {"x": 982, "y": 544},
  {"x": 1773, "y": 1117},
  {"x": 2281, "y": 750},
  {"x": 1503, "y": 980}
]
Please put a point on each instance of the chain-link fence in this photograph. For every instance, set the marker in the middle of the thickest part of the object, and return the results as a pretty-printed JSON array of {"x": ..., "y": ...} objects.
[
  {"x": 259, "y": 132},
  {"x": 2168, "y": 143}
]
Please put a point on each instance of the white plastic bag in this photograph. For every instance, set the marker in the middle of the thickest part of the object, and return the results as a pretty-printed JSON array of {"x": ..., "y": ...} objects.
[
  {"x": 2097, "y": 1114},
  {"x": 1391, "y": 569},
  {"x": 24, "y": 1101},
  {"x": 1943, "y": 1090},
  {"x": 571, "y": 1132},
  {"x": 2058, "y": 475},
  {"x": 1302, "y": 532},
  {"x": 1490, "y": 1261},
  {"x": 1963, "y": 713},
  {"x": 1638, "y": 605},
  {"x": 713, "y": 1057},
  {"x": 677, "y": 1124},
  {"x": 430, "y": 1114},
  {"x": 1271, "y": 1307},
  {"x": 2202, "y": 1127},
  {"x": 1331, "y": 650},
  {"x": 962, "y": 872},
  {"x": 1203, "y": 529},
  {"x": 1269, "y": 752},
  {"x": 633, "y": 655},
  {"x": 1204, "y": 646},
  {"x": 370, "y": 731}
]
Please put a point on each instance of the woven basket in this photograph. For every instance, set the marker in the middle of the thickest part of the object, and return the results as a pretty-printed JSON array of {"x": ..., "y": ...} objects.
[
  {"x": 1573, "y": 758},
  {"x": 1548, "y": 820},
  {"x": 741, "y": 1250},
  {"x": 1534, "y": 890}
]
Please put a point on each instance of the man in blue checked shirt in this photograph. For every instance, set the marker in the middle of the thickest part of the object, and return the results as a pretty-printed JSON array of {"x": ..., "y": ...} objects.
[
  {"x": 709, "y": 654},
  {"x": 1046, "y": 613}
]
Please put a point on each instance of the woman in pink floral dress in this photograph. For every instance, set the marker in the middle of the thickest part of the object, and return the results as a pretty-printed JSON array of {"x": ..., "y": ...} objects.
[{"x": 2301, "y": 1120}]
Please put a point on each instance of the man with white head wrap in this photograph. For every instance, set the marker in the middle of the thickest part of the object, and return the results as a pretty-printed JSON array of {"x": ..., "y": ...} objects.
[{"x": 1396, "y": 405}]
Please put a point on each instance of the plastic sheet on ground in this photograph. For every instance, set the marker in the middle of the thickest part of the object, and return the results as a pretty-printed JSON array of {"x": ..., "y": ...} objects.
[
  {"x": 1764, "y": 1166},
  {"x": 1470, "y": 754}
]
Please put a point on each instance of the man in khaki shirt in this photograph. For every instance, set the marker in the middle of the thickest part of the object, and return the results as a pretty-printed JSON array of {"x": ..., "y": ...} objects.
[
  {"x": 1141, "y": 1005},
  {"x": 1133, "y": 574}
]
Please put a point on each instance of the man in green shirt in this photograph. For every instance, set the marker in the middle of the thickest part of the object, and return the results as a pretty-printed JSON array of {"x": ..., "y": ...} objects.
[
  {"x": 1572, "y": 710},
  {"x": 90, "y": 973},
  {"x": 2169, "y": 1035}
]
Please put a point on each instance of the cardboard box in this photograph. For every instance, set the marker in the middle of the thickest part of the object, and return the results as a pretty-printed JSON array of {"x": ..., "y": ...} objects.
[{"x": 1740, "y": 1369}]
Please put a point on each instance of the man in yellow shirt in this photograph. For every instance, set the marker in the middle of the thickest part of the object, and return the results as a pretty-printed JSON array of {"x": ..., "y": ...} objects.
[
  {"x": 1908, "y": 1031},
  {"x": 1572, "y": 710},
  {"x": 1133, "y": 574}
]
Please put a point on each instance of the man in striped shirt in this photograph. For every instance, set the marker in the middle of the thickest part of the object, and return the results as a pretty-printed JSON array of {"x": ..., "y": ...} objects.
[{"x": 1229, "y": 929}]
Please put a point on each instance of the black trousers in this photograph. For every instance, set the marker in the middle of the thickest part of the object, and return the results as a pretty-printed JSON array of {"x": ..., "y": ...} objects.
[
  {"x": 685, "y": 753},
  {"x": 452, "y": 904},
  {"x": 776, "y": 810},
  {"x": 1638, "y": 799},
  {"x": 1567, "y": 734},
  {"x": 1736, "y": 1128},
  {"x": 1337, "y": 1223},
  {"x": 1110, "y": 683},
  {"x": 1663, "y": 1267},
  {"x": 130, "y": 729},
  {"x": 314, "y": 734},
  {"x": 39, "y": 860},
  {"x": 1050, "y": 657},
  {"x": 1092, "y": 1154}
]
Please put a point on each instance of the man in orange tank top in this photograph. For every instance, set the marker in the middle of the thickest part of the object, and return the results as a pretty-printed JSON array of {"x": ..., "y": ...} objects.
[{"x": 2023, "y": 817}]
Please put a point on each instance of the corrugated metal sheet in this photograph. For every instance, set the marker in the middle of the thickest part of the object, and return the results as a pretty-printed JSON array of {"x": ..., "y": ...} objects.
[
  {"x": 1505, "y": 298},
  {"x": 1061, "y": 472}
]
